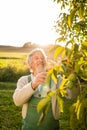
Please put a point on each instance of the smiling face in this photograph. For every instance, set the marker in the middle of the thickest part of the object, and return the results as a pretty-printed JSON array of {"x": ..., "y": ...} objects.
[{"x": 38, "y": 62}]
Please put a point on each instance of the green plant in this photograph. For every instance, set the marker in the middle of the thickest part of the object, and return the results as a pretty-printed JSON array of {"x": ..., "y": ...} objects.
[
  {"x": 12, "y": 74},
  {"x": 72, "y": 27}
]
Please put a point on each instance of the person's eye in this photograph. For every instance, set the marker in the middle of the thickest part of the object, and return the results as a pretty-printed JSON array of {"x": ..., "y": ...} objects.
[
  {"x": 42, "y": 58},
  {"x": 36, "y": 58}
]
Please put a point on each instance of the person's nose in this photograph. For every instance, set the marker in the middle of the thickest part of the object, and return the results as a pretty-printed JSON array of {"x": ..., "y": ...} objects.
[{"x": 40, "y": 59}]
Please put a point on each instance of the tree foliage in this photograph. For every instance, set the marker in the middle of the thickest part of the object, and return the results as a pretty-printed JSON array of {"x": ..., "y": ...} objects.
[
  {"x": 71, "y": 27},
  {"x": 72, "y": 24}
]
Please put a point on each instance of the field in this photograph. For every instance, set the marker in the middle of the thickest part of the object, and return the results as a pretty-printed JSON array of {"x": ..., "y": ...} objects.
[{"x": 10, "y": 115}]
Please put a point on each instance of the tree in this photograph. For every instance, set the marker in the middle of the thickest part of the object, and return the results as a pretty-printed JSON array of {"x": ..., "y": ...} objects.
[
  {"x": 72, "y": 24},
  {"x": 72, "y": 29}
]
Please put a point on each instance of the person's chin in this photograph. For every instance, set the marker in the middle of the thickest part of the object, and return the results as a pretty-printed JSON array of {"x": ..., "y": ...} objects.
[{"x": 41, "y": 69}]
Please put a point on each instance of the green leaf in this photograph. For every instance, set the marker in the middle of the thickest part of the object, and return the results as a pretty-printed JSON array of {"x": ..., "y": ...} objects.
[
  {"x": 42, "y": 104},
  {"x": 63, "y": 54},
  {"x": 58, "y": 51},
  {"x": 44, "y": 113},
  {"x": 50, "y": 94},
  {"x": 60, "y": 103},
  {"x": 63, "y": 92},
  {"x": 70, "y": 17},
  {"x": 81, "y": 11},
  {"x": 77, "y": 67},
  {"x": 60, "y": 39},
  {"x": 62, "y": 85},
  {"x": 84, "y": 43},
  {"x": 54, "y": 78},
  {"x": 81, "y": 108}
]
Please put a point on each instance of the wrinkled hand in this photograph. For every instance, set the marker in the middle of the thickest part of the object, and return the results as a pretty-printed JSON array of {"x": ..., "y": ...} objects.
[{"x": 39, "y": 79}]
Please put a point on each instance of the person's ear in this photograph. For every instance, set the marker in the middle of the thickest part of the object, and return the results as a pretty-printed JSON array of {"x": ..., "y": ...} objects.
[{"x": 28, "y": 65}]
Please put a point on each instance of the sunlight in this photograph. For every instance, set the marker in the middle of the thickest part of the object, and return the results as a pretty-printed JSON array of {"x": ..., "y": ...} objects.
[{"x": 28, "y": 21}]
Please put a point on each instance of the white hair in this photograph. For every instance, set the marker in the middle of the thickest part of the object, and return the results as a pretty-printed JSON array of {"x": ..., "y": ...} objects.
[{"x": 34, "y": 51}]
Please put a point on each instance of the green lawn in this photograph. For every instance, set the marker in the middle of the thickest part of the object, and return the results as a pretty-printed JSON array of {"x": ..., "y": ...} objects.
[{"x": 10, "y": 115}]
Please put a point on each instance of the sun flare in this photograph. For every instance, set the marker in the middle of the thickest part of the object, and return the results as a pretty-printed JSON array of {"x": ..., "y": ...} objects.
[{"x": 27, "y": 21}]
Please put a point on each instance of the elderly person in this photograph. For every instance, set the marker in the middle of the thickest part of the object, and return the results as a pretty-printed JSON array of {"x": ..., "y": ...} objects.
[{"x": 29, "y": 92}]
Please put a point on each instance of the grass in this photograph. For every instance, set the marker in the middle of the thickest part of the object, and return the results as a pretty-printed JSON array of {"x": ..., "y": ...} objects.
[
  {"x": 10, "y": 115},
  {"x": 7, "y": 86}
]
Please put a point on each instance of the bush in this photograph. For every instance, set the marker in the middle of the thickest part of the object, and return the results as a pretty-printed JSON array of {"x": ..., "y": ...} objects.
[{"x": 11, "y": 74}]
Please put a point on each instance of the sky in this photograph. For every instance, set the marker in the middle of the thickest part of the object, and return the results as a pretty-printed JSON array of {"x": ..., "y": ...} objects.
[{"x": 23, "y": 21}]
